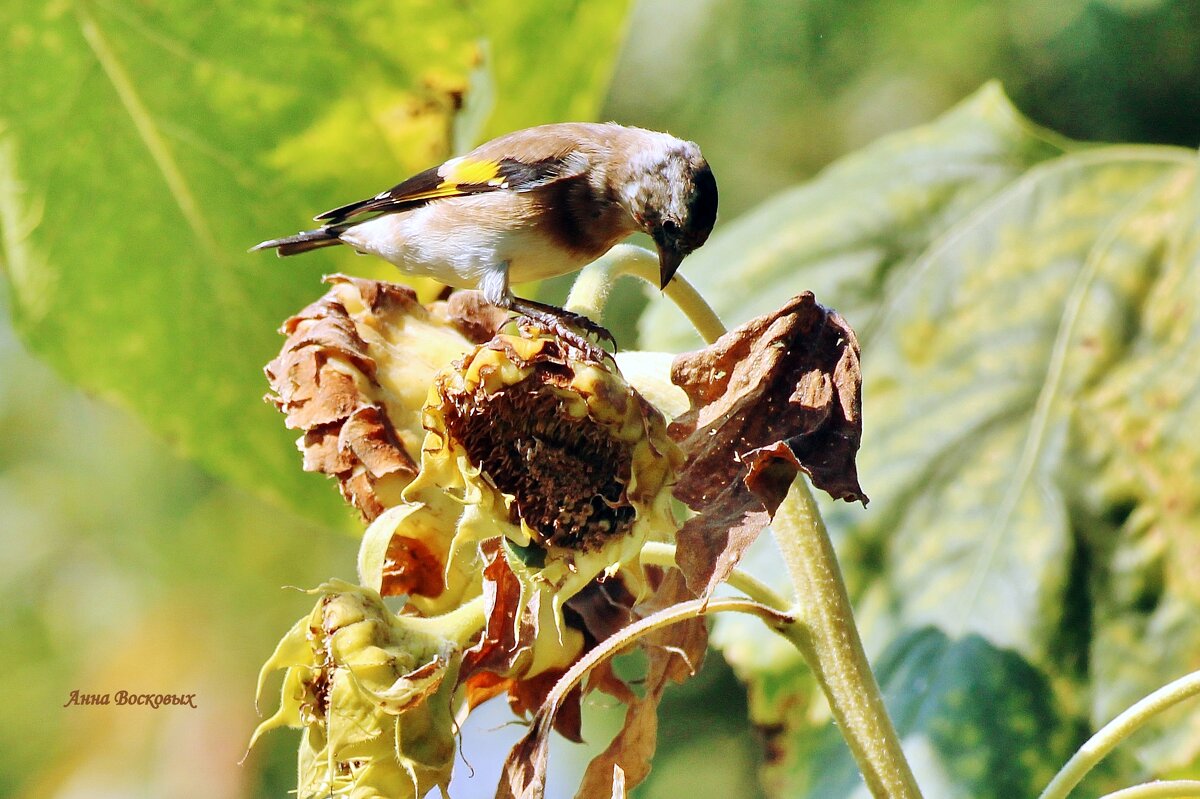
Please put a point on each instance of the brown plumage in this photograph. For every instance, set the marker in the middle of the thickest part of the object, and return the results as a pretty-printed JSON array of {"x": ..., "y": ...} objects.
[{"x": 536, "y": 203}]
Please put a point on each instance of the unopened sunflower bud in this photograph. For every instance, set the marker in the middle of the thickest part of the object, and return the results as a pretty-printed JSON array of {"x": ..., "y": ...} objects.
[{"x": 373, "y": 692}]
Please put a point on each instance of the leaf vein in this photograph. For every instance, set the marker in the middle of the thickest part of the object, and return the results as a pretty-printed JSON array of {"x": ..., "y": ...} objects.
[{"x": 146, "y": 127}]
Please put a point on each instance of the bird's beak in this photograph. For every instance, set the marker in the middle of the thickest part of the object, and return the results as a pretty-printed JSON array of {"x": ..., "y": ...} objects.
[{"x": 669, "y": 259}]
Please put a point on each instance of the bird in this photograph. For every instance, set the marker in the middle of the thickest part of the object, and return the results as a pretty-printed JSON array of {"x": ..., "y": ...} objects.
[{"x": 532, "y": 204}]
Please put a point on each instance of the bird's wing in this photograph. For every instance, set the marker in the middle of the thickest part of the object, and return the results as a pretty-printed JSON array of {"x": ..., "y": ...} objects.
[{"x": 473, "y": 173}]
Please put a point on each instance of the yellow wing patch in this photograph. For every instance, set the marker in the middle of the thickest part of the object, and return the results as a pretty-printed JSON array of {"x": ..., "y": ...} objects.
[
  {"x": 455, "y": 178},
  {"x": 471, "y": 172}
]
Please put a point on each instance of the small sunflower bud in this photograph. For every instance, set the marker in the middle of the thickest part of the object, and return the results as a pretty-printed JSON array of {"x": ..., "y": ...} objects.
[{"x": 372, "y": 692}]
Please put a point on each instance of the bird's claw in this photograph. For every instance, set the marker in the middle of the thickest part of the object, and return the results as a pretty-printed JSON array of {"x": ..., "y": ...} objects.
[
  {"x": 588, "y": 326},
  {"x": 563, "y": 324}
]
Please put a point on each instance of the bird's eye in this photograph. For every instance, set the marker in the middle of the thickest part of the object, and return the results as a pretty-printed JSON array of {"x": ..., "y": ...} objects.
[{"x": 670, "y": 228}]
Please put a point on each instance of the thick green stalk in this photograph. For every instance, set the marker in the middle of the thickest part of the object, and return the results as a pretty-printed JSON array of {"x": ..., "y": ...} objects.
[{"x": 825, "y": 633}]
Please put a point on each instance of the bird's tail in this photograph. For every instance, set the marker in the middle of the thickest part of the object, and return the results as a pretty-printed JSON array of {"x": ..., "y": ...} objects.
[{"x": 303, "y": 241}]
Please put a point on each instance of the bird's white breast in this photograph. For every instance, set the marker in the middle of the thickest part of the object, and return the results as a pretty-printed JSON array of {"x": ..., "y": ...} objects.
[{"x": 456, "y": 241}]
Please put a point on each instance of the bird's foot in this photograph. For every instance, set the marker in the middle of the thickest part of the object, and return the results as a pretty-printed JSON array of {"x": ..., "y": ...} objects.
[{"x": 564, "y": 324}]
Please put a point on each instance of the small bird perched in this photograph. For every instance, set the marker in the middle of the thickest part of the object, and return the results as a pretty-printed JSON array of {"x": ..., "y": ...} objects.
[{"x": 532, "y": 204}]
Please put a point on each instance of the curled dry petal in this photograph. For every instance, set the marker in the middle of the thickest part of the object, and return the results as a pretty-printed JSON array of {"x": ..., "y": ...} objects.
[
  {"x": 503, "y": 656},
  {"x": 508, "y": 637},
  {"x": 352, "y": 376},
  {"x": 779, "y": 394}
]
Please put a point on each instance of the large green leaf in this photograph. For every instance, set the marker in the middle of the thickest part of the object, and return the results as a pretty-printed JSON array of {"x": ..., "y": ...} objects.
[
  {"x": 1031, "y": 355},
  {"x": 1137, "y": 419},
  {"x": 854, "y": 231},
  {"x": 983, "y": 725},
  {"x": 144, "y": 147},
  {"x": 974, "y": 376}
]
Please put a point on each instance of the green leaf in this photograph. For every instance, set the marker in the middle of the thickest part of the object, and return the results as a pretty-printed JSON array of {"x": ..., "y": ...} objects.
[
  {"x": 983, "y": 724},
  {"x": 553, "y": 58},
  {"x": 853, "y": 233},
  {"x": 144, "y": 147},
  {"x": 1034, "y": 386},
  {"x": 973, "y": 377},
  {"x": 1031, "y": 354},
  {"x": 1137, "y": 419}
]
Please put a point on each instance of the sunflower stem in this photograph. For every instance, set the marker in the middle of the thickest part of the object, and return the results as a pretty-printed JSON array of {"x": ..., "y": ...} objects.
[
  {"x": 1165, "y": 789},
  {"x": 1117, "y": 730},
  {"x": 657, "y": 554},
  {"x": 827, "y": 637},
  {"x": 682, "y": 611},
  {"x": 590, "y": 292}
]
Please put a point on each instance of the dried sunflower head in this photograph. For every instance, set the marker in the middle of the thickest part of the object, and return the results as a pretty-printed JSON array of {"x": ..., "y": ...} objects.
[
  {"x": 529, "y": 440},
  {"x": 512, "y": 483},
  {"x": 353, "y": 375}
]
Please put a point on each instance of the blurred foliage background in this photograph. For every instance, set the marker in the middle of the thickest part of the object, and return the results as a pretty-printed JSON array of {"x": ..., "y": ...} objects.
[{"x": 126, "y": 566}]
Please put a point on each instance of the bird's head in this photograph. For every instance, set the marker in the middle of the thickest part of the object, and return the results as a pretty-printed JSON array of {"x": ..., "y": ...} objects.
[{"x": 672, "y": 196}]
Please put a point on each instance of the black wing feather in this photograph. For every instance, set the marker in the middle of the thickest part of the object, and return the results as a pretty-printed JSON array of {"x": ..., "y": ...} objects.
[
  {"x": 419, "y": 184},
  {"x": 430, "y": 185}
]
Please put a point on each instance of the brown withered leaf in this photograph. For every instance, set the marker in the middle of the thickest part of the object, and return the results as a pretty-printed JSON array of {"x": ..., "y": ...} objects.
[
  {"x": 604, "y": 678},
  {"x": 710, "y": 544},
  {"x": 493, "y": 664},
  {"x": 524, "y": 774},
  {"x": 778, "y": 394},
  {"x": 346, "y": 434},
  {"x": 526, "y": 696},
  {"x": 600, "y": 609},
  {"x": 674, "y": 654}
]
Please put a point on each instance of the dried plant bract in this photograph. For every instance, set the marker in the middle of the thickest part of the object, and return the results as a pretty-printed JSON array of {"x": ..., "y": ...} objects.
[{"x": 778, "y": 394}]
